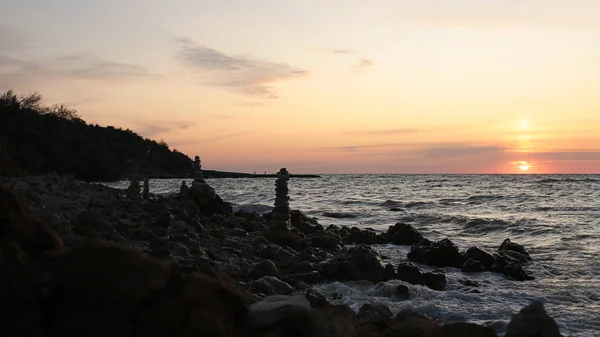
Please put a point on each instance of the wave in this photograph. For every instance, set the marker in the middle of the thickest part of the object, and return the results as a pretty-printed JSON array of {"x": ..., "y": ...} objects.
[
  {"x": 340, "y": 215},
  {"x": 252, "y": 208},
  {"x": 567, "y": 180}
]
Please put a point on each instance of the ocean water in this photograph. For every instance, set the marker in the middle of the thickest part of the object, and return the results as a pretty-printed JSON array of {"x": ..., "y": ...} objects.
[{"x": 556, "y": 218}]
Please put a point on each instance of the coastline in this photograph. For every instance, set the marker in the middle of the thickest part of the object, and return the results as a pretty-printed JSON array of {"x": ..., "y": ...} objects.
[{"x": 237, "y": 251}]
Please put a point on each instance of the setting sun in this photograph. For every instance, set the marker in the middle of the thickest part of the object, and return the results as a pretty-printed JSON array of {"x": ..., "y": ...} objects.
[{"x": 524, "y": 167}]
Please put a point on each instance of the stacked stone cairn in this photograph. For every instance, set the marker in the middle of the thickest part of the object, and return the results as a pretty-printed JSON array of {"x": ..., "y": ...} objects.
[
  {"x": 201, "y": 192},
  {"x": 280, "y": 218},
  {"x": 184, "y": 190},
  {"x": 146, "y": 190},
  {"x": 133, "y": 191}
]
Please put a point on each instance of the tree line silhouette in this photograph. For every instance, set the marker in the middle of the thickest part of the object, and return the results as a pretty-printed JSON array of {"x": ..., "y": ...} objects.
[{"x": 43, "y": 139}]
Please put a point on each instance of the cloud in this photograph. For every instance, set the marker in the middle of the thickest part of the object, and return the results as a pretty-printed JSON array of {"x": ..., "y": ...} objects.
[
  {"x": 364, "y": 63},
  {"x": 563, "y": 155},
  {"x": 160, "y": 127},
  {"x": 242, "y": 74},
  {"x": 343, "y": 51},
  {"x": 228, "y": 135},
  {"x": 11, "y": 38},
  {"x": 253, "y": 104},
  {"x": 17, "y": 72},
  {"x": 381, "y": 132}
]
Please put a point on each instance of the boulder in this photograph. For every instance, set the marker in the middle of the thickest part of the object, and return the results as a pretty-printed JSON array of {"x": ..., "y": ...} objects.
[
  {"x": 532, "y": 320},
  {"x": 270, "y": 285},
  {"x": 364, "y": 263},
  {"x": 368, "y": 237},
  {"x": 402, "y": 291},
  {"x": 325, "y": 240},
  {"x": 304, "y": 224},
  {"x": 486, "y": 259},
  {"x": 403, "y": 234},
  {"x": 372, "y": 314},
  {"x": 442, "y": 253},
  {"x": 472, "y": 266},
  {"x": 273, "y": 309},
  {"x": 264, "y": 268},
  {"x": 510, "y": 268},
  {"x": 410, "y": 273},
  {"x": 515, "y": 247},
  {"x": 316, "y": 298}
]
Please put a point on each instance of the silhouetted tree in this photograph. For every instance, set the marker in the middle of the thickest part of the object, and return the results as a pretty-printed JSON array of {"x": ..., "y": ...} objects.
[{"x": 55, "y": 139}]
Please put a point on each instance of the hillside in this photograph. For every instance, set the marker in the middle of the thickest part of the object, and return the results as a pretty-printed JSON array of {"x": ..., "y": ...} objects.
[{"x": 43, "y": 139}]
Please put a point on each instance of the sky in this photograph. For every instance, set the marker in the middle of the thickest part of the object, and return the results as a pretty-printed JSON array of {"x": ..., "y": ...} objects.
[{"x": 325, "y": 86}]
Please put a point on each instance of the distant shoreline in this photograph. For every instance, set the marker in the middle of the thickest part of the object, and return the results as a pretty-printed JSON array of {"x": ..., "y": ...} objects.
[{"x": 213, "y": 174}]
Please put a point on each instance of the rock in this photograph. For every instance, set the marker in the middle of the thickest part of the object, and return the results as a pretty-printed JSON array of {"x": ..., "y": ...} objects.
[
  {"x": 532, "y": 320},
  {"x": 303, "y": 266},
  {"x": 408, "y": 272},
  {"x": 442, "y": 253},
  {"x": 273, "y": 309},
  {"x": 91, "y": 223},
  {"x": 255, "y": 226},
  {"x": 367, "y": 237},
  {"x": 508, "y": 245},
  {"x": 390, "y": 272},
  {"x": 271, "y": 285},
  {"x": 284, "y": 238},
  {"x": 310, "y": 277},
  {"x": 364, "y": 263},
  {"x": 239, "y": 233},
  {"x": 464, "y": 329},
  {"x": 510, "y": 268},
  {"x": 333, "y": 321},
  {"x": 402, "y": 291},
  {"x": 373, "y": 314},
  {"x": 486, "y": 259},
  {"x": 264, "y": 268},
  {"x": 280, "y": 217},
  {"x": 325, "y": 240},
  {"x": 316, "y": 298},
  {"x": 403, "y": 234},
  {"x": 304, "y": 224},
  {"x": 472, "y": 266}
]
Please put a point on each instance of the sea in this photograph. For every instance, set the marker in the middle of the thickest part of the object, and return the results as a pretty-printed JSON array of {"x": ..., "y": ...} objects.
[{"x": 556, "y": 218}]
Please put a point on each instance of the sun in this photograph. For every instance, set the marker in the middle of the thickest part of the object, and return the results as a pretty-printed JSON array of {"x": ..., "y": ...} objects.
[{"x": 524, "y": 167}]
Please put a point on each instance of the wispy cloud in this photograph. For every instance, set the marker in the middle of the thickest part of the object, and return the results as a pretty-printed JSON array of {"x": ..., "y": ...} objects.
[
  {"x": 381, "y": 132},
  {"x": 15, "y": 71},
  {"x": 229, "y": 135},
  {"x": 364, "y": 63},
  {"x": 150, "y": 129},
  {"x": 239, "y": 73},
  {"x": 343, "y": 51},
  {"x": 253, "y": 104}
]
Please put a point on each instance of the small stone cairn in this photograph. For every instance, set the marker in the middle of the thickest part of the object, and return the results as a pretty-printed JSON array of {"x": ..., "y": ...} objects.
[
  {"x": 146, "y": 190},
  {"x": 184, "y": 190},
  {"x": 201, "y": 192},
  {"x": 280, "y": 218},
  {"x": 133, "y": 191}
]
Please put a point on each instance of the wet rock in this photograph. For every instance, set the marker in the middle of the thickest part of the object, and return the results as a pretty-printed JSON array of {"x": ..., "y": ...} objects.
[
  {"x": 364, "y": 263},
  {"x": 410, "y": 273},
  {"x": 464, "y": 329},
  {"x": 510, "y": 268},
  {"x": 304, "y": 224},
  {"x": 403, "y": 234},
  {"x": 334, "y": 321},
  {"x": 273, "y": 309},
  {"x": 390, "y": 272},
  {"x": 402, "y": 291},
  {"x": 238, "y": 233},
  {"x": 316, "y": 298},
  {"x": 325, "y": 240},
  {"x": 486, "y": 259},
  {"x": 515, "y": 247},
  {"x": 372, "y": 314},
  {"x": 532, "y": 320},
  {"x": 264, "y": 268},
  {"x": 255, "y": 226},
  {"x": 367, "y": 237},
  {"x": 271, "y": 285},
  {"x": 472, "y": 266},
  {"x": 513, "y": 256},
  {"x": 442, "y": 253}
]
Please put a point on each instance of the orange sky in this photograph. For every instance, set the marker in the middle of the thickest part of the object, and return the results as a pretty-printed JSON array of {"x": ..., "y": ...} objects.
[{"x": 403, "y": 86}]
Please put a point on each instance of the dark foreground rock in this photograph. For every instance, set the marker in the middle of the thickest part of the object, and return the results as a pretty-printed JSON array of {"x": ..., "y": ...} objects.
[
  {"x": 410, "y": 273},
  {"x": 442, "y": 253},
  {"x": 58, "y": 281}
]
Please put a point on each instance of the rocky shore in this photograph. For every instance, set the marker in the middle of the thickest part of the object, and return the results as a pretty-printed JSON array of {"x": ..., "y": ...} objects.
[{"x": 81, "y": 259}]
